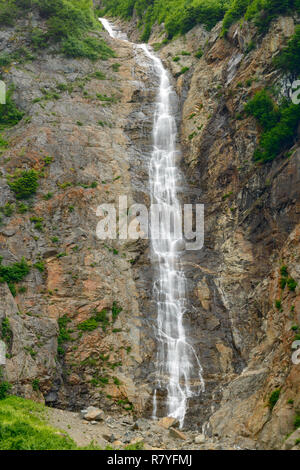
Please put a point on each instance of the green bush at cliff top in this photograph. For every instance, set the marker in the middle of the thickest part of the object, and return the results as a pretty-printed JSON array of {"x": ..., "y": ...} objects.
[
  {"x": 179, "y": 16},
  {"x": 68, "y": 23}
]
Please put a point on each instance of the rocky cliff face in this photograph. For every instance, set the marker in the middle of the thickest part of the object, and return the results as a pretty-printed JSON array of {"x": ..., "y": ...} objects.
[
  {"x": 242, "y": 319},
  {"x": 85, "y": 131},
  {"x": 97, "y": 129}
]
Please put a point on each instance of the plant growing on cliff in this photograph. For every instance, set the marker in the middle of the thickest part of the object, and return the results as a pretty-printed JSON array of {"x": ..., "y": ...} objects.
[
  {"x": 6, "y": 333},
  {"x": 297, "y": 421},
  {"x": 292, "y": 284},
  {"x": 289, "y": 58},
  {"x": 64, "y": 334},
  {"x": 10, "y": 115},
  {"x": 116, "y": 310},
  {"x": 24, "y": 183},
  {"x": 273, "y": 399},
  {"x": 279, "y": 125},
  {"x": 92, "y": 323},
  {"x": 13, "y": 273}
]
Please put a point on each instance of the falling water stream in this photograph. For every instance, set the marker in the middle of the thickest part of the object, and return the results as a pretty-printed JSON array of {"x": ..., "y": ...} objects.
[{"x": 176, "y": 359}]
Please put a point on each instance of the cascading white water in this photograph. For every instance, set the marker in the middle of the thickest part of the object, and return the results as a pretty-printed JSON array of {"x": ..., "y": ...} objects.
[{"x": 176, "y": 359}]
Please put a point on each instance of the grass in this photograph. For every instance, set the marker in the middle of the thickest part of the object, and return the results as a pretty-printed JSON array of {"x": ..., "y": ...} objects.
[{"x": 23, "y": 426}]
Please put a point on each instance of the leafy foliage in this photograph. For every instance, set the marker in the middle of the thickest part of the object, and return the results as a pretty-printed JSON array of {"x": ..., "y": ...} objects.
[
  {"x": 273, "y": 399},
  {"x": 289, "y": 59},
  {"x": 68, "y": 23},
  {"x": 180, "y": 16},
  {"x": 15, "y": 272},
  {"x": 5, "y": 388},
  {"x": 24, "y": 184},
  {"x": 92, "y": 48},
  {"x": 279, "y": 124},
  {"x": 10, "y": 115}
]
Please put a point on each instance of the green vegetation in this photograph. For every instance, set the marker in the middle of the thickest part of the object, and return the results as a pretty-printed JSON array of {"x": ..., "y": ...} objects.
[
  {"x": 5, "y": 388},
  {"x": 23, "y": 426},
  {"x": 23, "y": 183},
  {"x": 40, "y": 266},
  {"x": 6, "y": 333},
  {"x": 90, "y": 47},
  {"x": 64, "y": 334},
  {"x": 14, "y": 273},
  {"x": 10, "y": 115},
  {"x": 92, "y": 323},
  {"x": 36, "y": 385},
  {"x": 179, "y": 16},
  {"x": 273, "y": 399},
  {"x": 297, "y": 421},
  {"x": 261, "y": 12},
  {"x": 285, "y": 280},
  {"x": 68, "y": 24},
  {"x": 279, "y": 123},
  {"x": 289, "y": 58}
]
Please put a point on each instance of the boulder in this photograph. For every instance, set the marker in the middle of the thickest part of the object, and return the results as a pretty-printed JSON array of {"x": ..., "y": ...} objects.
[
  {"x": 167, "y": 422},
  {"x": 200, "y": 439},
  {"x": 176, "y": 434},
  {"x": 93, "y": 414}
]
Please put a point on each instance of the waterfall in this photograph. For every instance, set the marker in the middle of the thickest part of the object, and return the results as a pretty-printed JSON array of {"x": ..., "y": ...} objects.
[{"x": 176, "y": 359}]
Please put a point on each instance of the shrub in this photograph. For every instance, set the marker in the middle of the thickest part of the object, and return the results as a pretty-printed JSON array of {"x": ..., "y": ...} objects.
[
  {"x": 24, "y": 184},
  {"x": 292, "y": 284},
  {"x": 284, "y": 271},
  {"x": 5, "y": 388},
  {"x": 279, "y": 124},
  {"x": 40, "y": 266},
  {"x": 273, "y": 399},
  {"x": 236, "y": 10},
  {"x": 116, "y": 310},
  {"x": 10, "y": 115},
  {"x": 14, "y": 273},
  {"x": 89, "y": 47},
  {"x": 36, "y": 385},
  {"x": 88, "y": 325},
  {"x": 8, "y": 12},
  {"x": 297, "y": 421},
  {"x": 6, "y": 333},
  {"x": 92, "y": 323},
  {"x": 182, "y": 71},
  {"x": 289, "y": 58},
  {"x": 39, "y": 39},
  {"x": 262, "y": 107}
]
